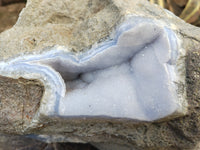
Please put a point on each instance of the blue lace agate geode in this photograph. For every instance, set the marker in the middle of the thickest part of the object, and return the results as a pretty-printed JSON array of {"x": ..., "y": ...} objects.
[{"x": 135, "y": 75}]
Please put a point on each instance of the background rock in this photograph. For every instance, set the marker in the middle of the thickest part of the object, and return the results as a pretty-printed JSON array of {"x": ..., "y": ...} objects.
[
  {"x": 6, "y": 2},
  {"x": 24, "y": 143},
  {"x": 9, "y": 15}
]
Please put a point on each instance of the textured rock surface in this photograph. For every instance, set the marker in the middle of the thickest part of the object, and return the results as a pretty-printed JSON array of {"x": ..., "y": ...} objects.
[
  {"x": 20, "y": 100},
  {"x": 46, "y": 23},
  {"x": 24, "y": 143}
]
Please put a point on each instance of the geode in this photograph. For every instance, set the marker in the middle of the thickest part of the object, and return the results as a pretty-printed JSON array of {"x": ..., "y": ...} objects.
[
  {"x": 118, "y": 74},
  {"x": 137, "y": 75}
]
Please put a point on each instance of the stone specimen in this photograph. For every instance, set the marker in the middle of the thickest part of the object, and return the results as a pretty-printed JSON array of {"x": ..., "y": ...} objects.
[
  {"x": 107, "y": 72},
  {"x": 135, "y": 74}
]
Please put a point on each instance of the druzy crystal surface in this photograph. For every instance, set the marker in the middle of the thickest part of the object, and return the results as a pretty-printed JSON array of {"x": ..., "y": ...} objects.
[{"x": 134, "y": 74}]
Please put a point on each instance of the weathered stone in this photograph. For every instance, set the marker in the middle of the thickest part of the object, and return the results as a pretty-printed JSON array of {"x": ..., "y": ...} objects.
[
  {"x": 10, "y": 142},
  {"x": 79, "y": 26},
  {"x": 20, "y": 100}
]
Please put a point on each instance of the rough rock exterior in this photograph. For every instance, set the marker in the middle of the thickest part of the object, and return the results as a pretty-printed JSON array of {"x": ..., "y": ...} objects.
[{"x": 47, "y": 23}]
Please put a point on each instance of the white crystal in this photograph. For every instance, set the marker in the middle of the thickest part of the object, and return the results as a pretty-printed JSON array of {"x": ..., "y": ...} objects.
[{"x": 133, "y": 76}]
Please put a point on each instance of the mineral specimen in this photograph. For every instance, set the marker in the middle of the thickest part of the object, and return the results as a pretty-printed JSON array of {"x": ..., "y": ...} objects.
[
  {"x": 109, "y": 72},
  {"x": 135, "y": 75}
]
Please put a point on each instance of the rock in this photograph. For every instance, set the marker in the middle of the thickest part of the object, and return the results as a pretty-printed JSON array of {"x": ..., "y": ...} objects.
[
  {"x": 24, "y": 143},
  {"x": 54, "y": 42},
  {"x": 138, "y": 80}
]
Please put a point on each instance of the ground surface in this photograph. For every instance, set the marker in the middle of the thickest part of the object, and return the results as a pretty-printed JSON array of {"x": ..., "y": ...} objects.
[{"x": 9, "y": 15}]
